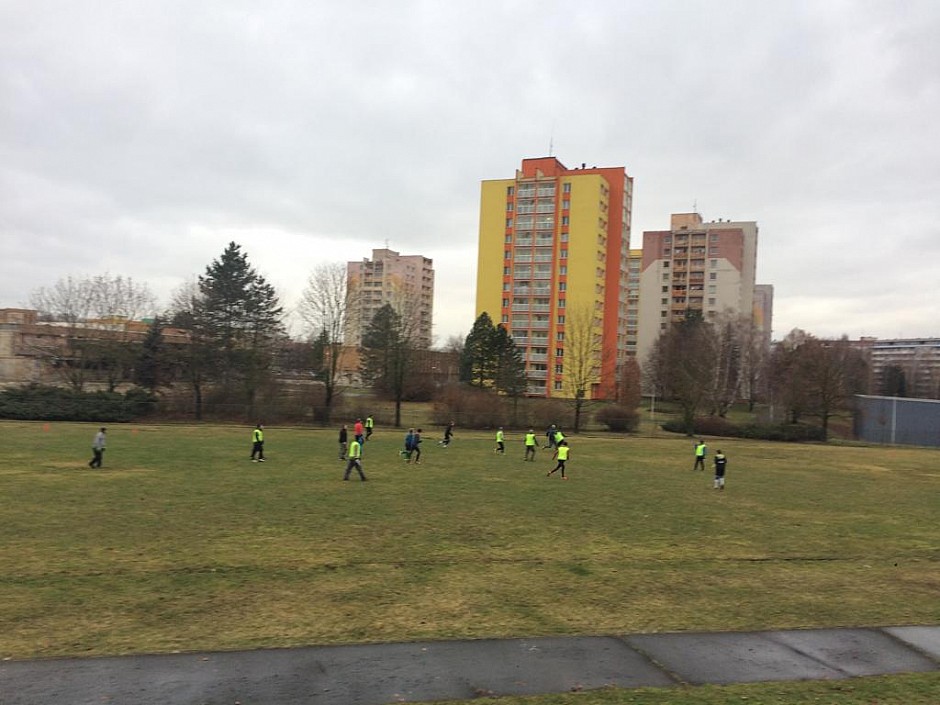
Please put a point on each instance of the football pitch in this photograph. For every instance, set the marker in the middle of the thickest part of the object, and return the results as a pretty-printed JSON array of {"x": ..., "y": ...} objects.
[{"x": 179, "y": 542}]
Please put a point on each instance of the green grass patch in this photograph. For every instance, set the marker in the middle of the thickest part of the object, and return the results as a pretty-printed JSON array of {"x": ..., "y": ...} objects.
[{"x": 180, "y": 543}]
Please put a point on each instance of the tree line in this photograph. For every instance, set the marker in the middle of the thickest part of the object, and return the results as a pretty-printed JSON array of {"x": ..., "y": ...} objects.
[{"x": 234, "y": 345}]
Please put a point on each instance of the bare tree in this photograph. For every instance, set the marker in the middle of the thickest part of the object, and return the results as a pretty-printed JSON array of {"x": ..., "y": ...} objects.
[
  {"x": 583, "y": 357},
  {"x": 681, "y": 365},
  {"x": 325, "y": 307},
  {"x": 94, "y": 315},
  {"x": 727, "y": 343}
]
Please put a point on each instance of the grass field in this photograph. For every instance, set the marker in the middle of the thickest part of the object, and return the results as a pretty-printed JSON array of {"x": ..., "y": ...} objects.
[{"x": 180, "y": 543}]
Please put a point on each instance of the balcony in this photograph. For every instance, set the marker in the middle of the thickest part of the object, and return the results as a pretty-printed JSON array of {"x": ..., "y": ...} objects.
[
  {"x": 536, "y": 374},
  {"x": 538, "y": 357}
]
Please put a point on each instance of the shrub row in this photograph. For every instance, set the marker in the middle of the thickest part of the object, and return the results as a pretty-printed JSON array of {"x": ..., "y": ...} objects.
[
  {"x": 41, "y": 403},
  {"x": 716, "y": 426}
]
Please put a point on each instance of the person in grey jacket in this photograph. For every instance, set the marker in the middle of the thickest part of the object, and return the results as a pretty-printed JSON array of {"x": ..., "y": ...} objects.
[{"x": 97, "y": 447}]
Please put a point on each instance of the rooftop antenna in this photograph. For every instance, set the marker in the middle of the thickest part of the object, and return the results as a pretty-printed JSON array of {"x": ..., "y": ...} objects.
[
  {"x": 695, "y": 205},
  {"x": 551, "y": 141}
]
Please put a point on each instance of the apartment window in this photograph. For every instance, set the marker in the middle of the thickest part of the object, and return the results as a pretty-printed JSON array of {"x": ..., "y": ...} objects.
[
  {"x": 712, "y": 275},
  {"x": 559, "y": 369},
  {"x": 662, "y": 314},
  {"x": 666, "y": 277},
  {"x": 564, "y": 254},
  {"x": 562, "y": 269},
  {"x": 711, "y": 288},
  {"x": 559, "y": 352},
  {"x": 564, "y": 237},
  {"x": 664, "y": 301},
  {"x": 566, "y": 205},
  {"x": 713, "y": 238},
  {"x": 662, "y": 326},
  {"x": 665, "y": 289},
  {"x": 505, "y": 286},
  {"x": 507, "y": 254},
  {"x": 562, "y": 286},
  {"x": 561, "y": 320},
  {"x": 711, "y": 302},
  {"x": 712, "y": 251},
  {"x": 508, "y": 222},
  {"x": 506, "y": 271},
  {"x": 560, "y": 336},
  {"x": 714, "y": 263},
  {"x": 505, "y": 318},
  {"x": 665, "y": 264},
  {"x": 561, "y": 303},
  {"x": 510, "y": 190},
  {"x": 566, "y": 188},
  {"x": 564, "y": 220},
  {"x": 509, "y": 206},
  {"x": 505, "y": 303}
]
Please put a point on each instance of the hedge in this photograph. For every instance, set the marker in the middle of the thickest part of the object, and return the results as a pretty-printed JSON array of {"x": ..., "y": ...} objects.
[
  {"x": 42, "y": 403},
  {"x": 716, "y": 426}
]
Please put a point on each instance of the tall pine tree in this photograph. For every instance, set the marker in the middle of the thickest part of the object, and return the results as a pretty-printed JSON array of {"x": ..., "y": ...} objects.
[{"x": 242, "y": 316}]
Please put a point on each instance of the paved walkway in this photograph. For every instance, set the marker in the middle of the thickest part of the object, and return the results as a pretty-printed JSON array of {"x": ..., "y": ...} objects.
[{"x": 376, "y": 674}]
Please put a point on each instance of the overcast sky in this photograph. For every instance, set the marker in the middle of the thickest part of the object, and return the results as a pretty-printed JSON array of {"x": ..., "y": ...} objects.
[{"x": 139, "y": 138}]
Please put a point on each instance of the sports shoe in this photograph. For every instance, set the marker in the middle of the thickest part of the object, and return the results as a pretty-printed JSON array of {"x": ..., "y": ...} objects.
[{"x": 260, "y": 460}]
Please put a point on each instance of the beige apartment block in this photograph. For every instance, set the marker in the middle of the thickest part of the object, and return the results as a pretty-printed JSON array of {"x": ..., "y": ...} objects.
[
  {"x": 406, "y": 282},
  {"x": 708, "y": 267}
]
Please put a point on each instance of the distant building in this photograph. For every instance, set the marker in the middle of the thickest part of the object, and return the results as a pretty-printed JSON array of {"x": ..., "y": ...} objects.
[
  {"x": 406, "y": 282},
  {"x": 917, "y": 360},
  {"x": 34, "y": 351},
  {"x": 708, "y": 267},
  {"x": 764, "y": 310},
  {"x": 552, "y": 268},
  {"x": 635, "y": 266}
]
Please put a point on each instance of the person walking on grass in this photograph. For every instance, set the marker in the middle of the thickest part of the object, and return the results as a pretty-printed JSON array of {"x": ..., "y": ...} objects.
[
  {"x": 370, "y": 424},
  {"x": 257, "y": 444},
  {"x": 343, "y": 442},
  {"x": 530, "y": 445},
  {"x": 359, "y": 431},
  {"x": 355, "y": 460},
  {"x": 97, "y": 448},
  {"x": 721, "y": 463},
  {"x": 500, "y": 438},
  {"x": 701, "y": 450},
  {"x": 561, "y": 452}
]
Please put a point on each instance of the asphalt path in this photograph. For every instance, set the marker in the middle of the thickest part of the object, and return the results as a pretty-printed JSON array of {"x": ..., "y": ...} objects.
[{"x": 375, "y": 674}]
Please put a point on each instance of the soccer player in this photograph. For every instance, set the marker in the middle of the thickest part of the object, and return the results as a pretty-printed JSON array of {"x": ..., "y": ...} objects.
[
  {"x": 561, "y": 452},
  {"x": 701, "y": 450},
  {"x": 370, "y": 424},
  {"x": 530, "y": 445},
  {"x": 257, "y": 444},
  {"x": 358, "y": 431},
  {"x": 448, "y": 434},
  {"x": 355, "y": 460},
  {"x": 97, "y": 448},
  {"x": 343, "y": 442},
  {"x": 720, "y": 463},
  {"x": 416, "y": 445},
  {"x": 500, "y": 445}
]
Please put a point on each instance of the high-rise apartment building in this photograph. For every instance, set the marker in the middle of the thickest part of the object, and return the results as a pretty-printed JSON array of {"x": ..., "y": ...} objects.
[
  {"x": 552, "y": 268},
  {"x": 695, "y": 266},
  {"x": 634, "y": 267},
  {"x": 406, "y": 282}
]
